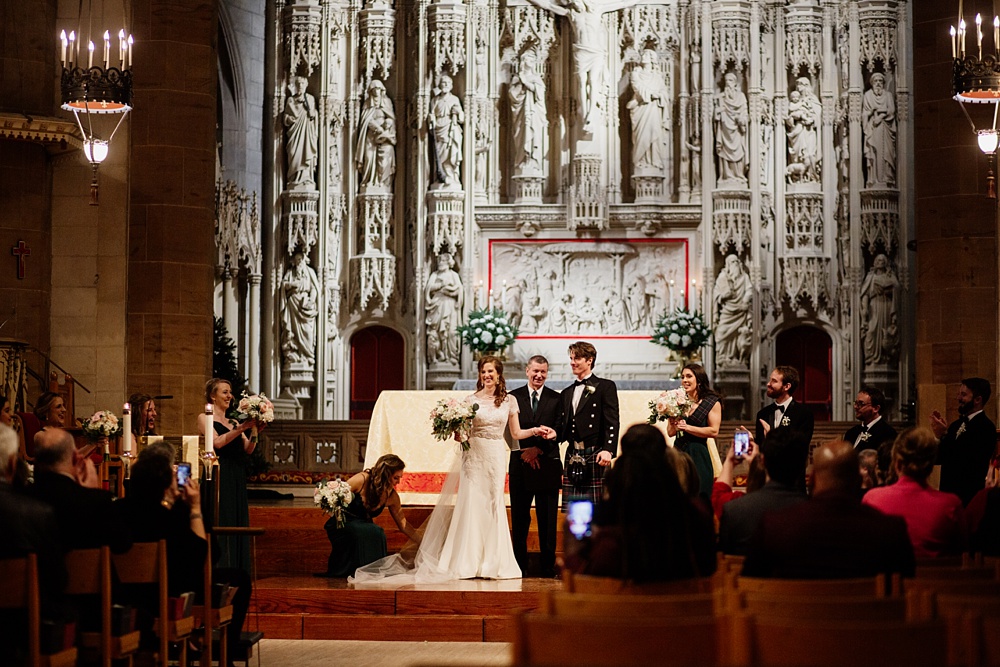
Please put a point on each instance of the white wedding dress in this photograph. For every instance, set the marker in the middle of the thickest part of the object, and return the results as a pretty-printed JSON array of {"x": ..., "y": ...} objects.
[{"x": 467, "y": 535}]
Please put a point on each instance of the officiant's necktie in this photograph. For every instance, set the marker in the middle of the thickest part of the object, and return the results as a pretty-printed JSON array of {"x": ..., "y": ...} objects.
[{"x": 534, "y": 402}]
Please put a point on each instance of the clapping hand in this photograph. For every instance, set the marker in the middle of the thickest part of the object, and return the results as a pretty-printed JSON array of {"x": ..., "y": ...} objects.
[{"x": 938, "y": 424}]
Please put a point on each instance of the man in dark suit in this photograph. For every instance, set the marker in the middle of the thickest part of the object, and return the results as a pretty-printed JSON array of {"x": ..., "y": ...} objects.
[
  {"x": 874, "y": 432},
  {"x": 87, "y": 515},
  {"x": 784, "y": 454},
  {"x": 831, "y": 535},
  {"x": 590, "y": 425},
  {"x": 785, "y": 411},
  {"x": 535, "y": 469},
  {"x": 968, "y": 443}
]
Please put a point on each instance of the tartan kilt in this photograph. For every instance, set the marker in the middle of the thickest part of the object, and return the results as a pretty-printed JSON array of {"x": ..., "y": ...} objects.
[{"x": 594, "y": 489}]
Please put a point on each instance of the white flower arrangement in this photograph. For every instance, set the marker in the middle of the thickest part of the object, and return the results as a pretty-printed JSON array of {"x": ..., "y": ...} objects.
[
  {"x": 258, "y": 408},
  {"x": 488, "y": 330},
  {"x": 669, "y": 404},
  {"x": 681, "y": 331},
  {"x": 333, "y": 496},
  {"x": 453, "y": 416},
  {"x": 101, "y": 424}
]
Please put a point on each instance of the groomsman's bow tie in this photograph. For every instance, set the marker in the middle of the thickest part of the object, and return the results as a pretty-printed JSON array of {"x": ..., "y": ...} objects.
[
  {"x": 780, "y": 408},
  {"x": 579, "y": 382}
]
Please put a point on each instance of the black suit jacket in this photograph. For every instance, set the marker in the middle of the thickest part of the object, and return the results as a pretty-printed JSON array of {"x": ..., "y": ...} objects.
[
  {"x": 88, "y": 518},
  {"x": 829, "y": 536},
  {"x": 29, "y": 526},
  {"x": 549, "y": 414},
  {"x": 799, "y": 418},
  {"x": 741, "y": 516},
  {"x": 879, "y": 433},
  {"x": 595, "y": 421},
  {"x": 965, "y": 458}
]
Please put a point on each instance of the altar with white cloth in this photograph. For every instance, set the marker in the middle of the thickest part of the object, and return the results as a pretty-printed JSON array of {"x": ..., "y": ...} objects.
[{"x": 401, "y": 425}]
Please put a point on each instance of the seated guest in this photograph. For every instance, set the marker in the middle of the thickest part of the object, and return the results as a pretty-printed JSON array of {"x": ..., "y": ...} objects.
[
  {"x": 157, "y": 509},
  {"x": 88, "y": 516},
  {"x": 831, "y": 535},
  {"x": 643, "y": 438},
  {"x": 654, "y": 532},
  {"x": 143, "y": 417},
  {"x": 784, "y": 453},
  {"x": 868, "y": 467},
  {"x": 687, "y": 472},
  {"x": 984, "y": 514},
  {"x": 935, "y": 520},
  {"x": 6, "y": 414},
  {"x": 26, "y": 526},
  {"x": 722, "y": 489},
  {"x": 360, "y": 541},
  {"x": 50, "y": 411}
]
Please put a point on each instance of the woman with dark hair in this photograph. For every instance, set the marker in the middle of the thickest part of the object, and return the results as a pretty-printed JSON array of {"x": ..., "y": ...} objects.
[
  {"x": 935, "y": 520},
  {"x": 233, "y": 448},
  {"x": 6, "y": 414},
  {"x": 467, "y": 535},
  {"x": 701, "y": 423},
  {"x": 359, "y": 541},
  {"x": 143, "y": 416}
]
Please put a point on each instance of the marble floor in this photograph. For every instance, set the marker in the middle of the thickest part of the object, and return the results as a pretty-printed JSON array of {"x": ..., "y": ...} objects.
[{"x": 321, "y": 653}]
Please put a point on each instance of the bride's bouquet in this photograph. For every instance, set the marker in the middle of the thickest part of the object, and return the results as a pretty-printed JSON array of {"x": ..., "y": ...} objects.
[
  {"x": 101, "y": 424},
  {"x": 669, "y": 404},
  {"x": 453, "y": 416},
  {"x": 258, "y": 408},
  {"x": 333, "y": 497}
]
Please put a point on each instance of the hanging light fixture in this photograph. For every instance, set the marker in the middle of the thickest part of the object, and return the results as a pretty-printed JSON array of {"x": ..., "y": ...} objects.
[{"x": 101, "y": 91}]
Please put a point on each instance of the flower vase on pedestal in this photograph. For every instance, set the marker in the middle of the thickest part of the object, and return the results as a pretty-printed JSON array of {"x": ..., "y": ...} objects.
[
  {"x": 683, "y": 358},
  {"x": 479, "y": 354}
]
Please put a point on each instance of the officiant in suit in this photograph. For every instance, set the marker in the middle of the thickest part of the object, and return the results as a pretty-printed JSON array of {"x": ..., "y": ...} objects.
[
  {"x": 590, "y": 425},
  {"x": 968, "y": 443},
  {"x": 535, "y": 469},
  {"x": 785, "y": 411},
  {"x": 874, "y": 431}
]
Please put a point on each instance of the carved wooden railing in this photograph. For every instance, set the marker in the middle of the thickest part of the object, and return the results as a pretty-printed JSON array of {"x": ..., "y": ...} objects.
[{"x": 302, "y": 451}]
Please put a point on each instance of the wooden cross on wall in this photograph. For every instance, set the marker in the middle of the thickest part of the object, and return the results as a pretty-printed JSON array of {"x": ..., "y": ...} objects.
[{"x": 21, "y": 250}]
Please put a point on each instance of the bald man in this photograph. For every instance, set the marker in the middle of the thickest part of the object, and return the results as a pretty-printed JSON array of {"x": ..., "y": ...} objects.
[
  {"x": 88, "y": 516},
  {"x": 832, "y": 535}
]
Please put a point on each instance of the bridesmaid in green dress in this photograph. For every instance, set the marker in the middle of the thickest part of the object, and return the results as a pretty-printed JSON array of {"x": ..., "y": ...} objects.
[
  {"x": 233, "y": 448},
  {"x": 702, "y": 422}
]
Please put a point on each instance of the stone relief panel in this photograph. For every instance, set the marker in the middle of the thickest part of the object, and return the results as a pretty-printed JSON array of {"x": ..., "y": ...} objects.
[{"x": 612, "y": 288}]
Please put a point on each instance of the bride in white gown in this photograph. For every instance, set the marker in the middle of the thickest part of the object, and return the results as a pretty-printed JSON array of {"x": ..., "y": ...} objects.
[{"x": 467, "y": 535}]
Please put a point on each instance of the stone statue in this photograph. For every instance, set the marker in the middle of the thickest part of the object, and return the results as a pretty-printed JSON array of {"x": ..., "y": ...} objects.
[
  {"x": 376, "y": 148},
  {"x": 445, "y": 121},
  {"x": 732, "y": 116},
  {"x": 649, "y": 100},
  {"x": 733, "y": 297},
  {"x": 527, "y": 109},
  {"x": 590, "y": 56},
  {"x": 805, "y": 115},
  {"x": 299, "y": 309},
  {"x": 299, "y": 119},
  {"x": 878, "y": 119},
  {"x": 444, "y": 299},
  {"x": 878, "y": 313}
]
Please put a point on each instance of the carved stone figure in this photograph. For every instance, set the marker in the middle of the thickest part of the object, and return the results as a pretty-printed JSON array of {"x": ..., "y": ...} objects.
[
  {"x": 376, "y": 149},
  {"x": 805, "y": 114},
  {"x": 445, "y": 121},
  {"x": 527, "y": 109},
  {"x": 534, "y": 313},
  {"x": 299, "y": 309},
  {"x": 878, "y": 118},
  {"x": 731, "y": 118},
  {"x": 646, "y": 108},
  {"x": 444, "y": 298},
  {"x": 733, "y": 297},
  {"x": 878, "y": 313},
  {"x": 299, "y": 119}
]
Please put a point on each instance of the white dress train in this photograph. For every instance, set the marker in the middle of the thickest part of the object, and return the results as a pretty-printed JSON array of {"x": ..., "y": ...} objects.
[{"x": 467, "y": 535}]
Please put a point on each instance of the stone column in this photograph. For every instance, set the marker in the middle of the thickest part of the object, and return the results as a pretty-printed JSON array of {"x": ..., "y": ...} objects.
[{"x": 172, "y": 207}]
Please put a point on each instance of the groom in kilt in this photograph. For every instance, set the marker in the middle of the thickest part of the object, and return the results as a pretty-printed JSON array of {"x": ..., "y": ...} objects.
[{"x": 590, "y": 425}]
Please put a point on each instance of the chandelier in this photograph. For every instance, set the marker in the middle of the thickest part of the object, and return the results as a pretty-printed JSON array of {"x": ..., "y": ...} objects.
[{"x": 96, "y": 82}]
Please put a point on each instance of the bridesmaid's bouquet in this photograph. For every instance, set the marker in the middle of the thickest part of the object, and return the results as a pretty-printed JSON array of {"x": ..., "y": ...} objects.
[
  {"x": 452, "y": 416},
  {"x": 333, "y": 496},
  {"x": 258, "y": 408},
  {"x": 101, "y": 424},
  {"x": 669, "y": 404}
]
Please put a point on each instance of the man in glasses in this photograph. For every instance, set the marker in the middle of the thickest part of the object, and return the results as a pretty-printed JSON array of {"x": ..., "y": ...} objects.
[{"x": 873, "y": 431}]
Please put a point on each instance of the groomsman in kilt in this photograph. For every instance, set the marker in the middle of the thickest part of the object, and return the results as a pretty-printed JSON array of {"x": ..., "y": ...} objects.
[{"x": 590, "y": 425}]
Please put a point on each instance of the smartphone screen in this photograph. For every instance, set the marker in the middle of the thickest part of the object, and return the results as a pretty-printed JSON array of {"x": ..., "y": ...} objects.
[
  {"x": 578, "y": 518},
  {"x": 741, "y": 443},
  {"x": 183, "y": 473}
]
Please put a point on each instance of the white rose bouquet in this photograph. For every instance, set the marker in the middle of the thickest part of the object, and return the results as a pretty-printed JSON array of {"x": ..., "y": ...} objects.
[
  {"x": 669, "y": 404},
  {"x": 681, "y": 331},
  {"x": 488, "y": 330},
  {"x": 453, "y": 416},
  {"x": 101, "y": 424},
  {"x": 333, "y": 496},
  {"x": 258, "y": 408}
]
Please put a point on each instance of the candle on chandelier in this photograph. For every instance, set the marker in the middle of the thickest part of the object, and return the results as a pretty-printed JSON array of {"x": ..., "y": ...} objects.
[
  {"x": 62, "y": 38},
  {"x": 107, "y": 48},
  {"x": 996, "y": 35},
  {"x": 72, "y": 43},
  {"x": 961, "y": 37},
  {"x": 130, "y": 51},
  {"x": 121, "y": 48},
  {"x": 90, "y": 55},
  {"x": 979, "y": 34},
  {"x": 127, "y": 428}
]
